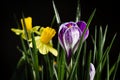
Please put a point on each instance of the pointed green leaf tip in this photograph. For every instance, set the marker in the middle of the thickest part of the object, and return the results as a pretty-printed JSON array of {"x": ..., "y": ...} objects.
[
  {"x": 90, "y": 18},
  {"x": 78, "y": 11},
  {"x": 56, "y": 13}
]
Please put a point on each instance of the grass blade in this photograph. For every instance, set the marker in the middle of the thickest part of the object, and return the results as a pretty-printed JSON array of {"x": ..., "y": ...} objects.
[
  {"x": 95, "y": 47},
  {"x": 108, "y": 50},
  {"x": 88, "y": 65},
  {"x": 90, "y": 18},
  {"x": 35, "y": 57},
  {"x": 107, "y": 67},
  {"x": 78, "y": 12},
  {"x": 80, "y": 46},
  {"x": 116, "y": 67},
  {"x": 56, "y": 13},
  {"x": 84, "y": 60}
]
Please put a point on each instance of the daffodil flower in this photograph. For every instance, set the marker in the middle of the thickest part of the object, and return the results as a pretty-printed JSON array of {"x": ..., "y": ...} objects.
[
  {"x": 69, "y": 35},
  {"x": 92, "y": 71},
  {"x": 28, "y": 23},
  {"x": 44, "y": 41}
]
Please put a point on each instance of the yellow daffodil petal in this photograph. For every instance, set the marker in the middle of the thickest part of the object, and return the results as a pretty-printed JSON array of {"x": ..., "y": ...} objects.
[
  {"x": 41, "y": 30},
  {"x": 17, "y": 31},
  {"x": 35, "y": 29},
  {"x": 41, "y": 46},
  {"x": 43, "y": 49},
  {"x": 52, "y": 50}
]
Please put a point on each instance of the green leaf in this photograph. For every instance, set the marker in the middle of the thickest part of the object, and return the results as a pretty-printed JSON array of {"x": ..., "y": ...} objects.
[
  {"x": 88, "y": 65},
  {"x": 53, "y": 20},
  {"x": 84, "y": 60},
  {"x": 78, "y": 11},
  {"x": 104, "y": 36},
  {"x": 94, "y": 42},
  {"x": 17, "y": 31},
  {"x": 55, "y": 71},
  {"x": 34, "y": 57},
  {"x": 107, "y": 67},
  {"x": 56, "y": 13},
  {"x": 71, "y": 76},
  {"x": 116, "y": 67},
  {"x": 21, "y": 61},
  {"x": 103, "y": 59},
  {"x": 33, "y": 54},
  {"x": 61, "y": 65},
  {"x": 35, "y": 29},
  {"x": 108, "y": 50},
  {"x": 90, "y": 18}
]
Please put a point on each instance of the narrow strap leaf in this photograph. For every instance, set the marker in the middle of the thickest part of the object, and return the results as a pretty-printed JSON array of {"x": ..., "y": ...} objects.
[
  {"x": 56, "y": 13},
  {"x": 117, "y": 64},
  {"x": 90, "y": 18},
  {"x": 78, "y": 11}
]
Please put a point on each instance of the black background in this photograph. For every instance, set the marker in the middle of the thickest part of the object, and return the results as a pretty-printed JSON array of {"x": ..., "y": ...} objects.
[{"x": 42, "y": 13}]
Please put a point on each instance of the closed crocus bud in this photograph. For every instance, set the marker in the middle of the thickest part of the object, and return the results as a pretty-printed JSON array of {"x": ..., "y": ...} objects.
[
  {"x": 69, "y": 35},
  {"x": 92, "y": 71}
]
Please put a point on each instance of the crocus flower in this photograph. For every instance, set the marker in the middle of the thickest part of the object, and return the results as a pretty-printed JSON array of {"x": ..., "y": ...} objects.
[
  {"x": 92, "y": 71},
  {"x": 69, "y": 35},
  {"x": 28, "y": 23},
  {"x": 44, "y": 41}
]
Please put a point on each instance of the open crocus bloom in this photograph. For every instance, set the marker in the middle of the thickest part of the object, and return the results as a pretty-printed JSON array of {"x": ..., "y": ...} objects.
[
  {"x": 92, "y": 71},
  {"x": 44, "y": 41},
  {"x": 69, "y": 35}
]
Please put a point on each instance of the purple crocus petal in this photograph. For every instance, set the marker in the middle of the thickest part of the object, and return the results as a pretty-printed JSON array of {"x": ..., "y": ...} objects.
[
  {"x": 82, "y": 26},
  {"x": 71, "y": 24},
  {"x": 68, "y": 57},
  {"x": 60, "y": 35},
  {"x": 70, "y": 39},
  {"x": 92, "y": 71},
  {"x": 86, "y": 34},
  {"x": 62, "y": 30}
]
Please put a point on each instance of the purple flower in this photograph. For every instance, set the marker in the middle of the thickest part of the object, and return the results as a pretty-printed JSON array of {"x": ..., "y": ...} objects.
[
  {"x": 92, "y": 71},
  {"x": 69, "y": 35}
]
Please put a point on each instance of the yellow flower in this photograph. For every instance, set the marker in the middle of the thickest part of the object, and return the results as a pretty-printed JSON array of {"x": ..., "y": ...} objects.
[
  {"x": 47, "y": 34},
  {"x": 28, "y": 23},
  {"x": 44, "y": 42}
]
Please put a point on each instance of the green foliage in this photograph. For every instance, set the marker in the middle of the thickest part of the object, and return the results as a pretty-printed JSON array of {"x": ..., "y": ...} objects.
[{"x": 49, "y": 67}]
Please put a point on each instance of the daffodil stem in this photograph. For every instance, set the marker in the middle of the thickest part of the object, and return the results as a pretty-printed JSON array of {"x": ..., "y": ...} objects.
[
  {"x": 49, "y": 64},
  {"x": 33, "y": 55},
  {"x": 35, "y": 58}
]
